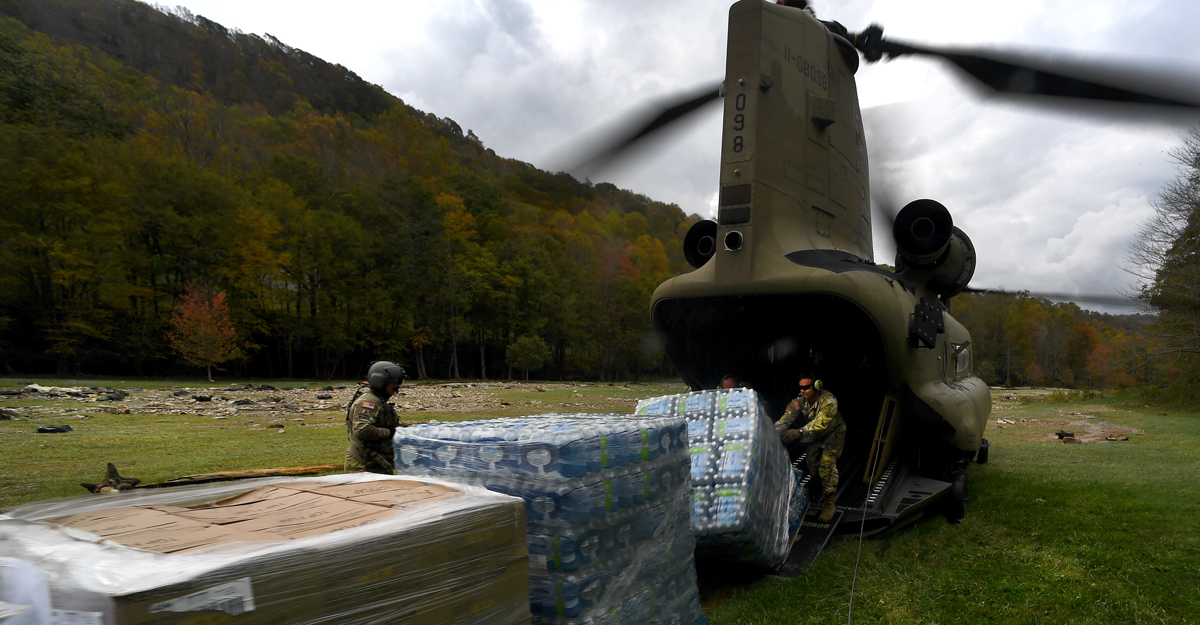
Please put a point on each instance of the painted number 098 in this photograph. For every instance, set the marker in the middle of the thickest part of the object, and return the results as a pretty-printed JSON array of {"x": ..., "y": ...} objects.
[{"x": 739, "y": 122}]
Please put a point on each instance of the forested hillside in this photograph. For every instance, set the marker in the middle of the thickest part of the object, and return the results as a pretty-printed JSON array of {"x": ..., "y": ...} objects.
[
  {"x": 343, "y": 228},
  {"x": 145, "y": 155}
]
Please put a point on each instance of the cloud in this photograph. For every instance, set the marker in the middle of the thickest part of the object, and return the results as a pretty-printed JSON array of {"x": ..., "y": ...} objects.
[{"x": 1049, "y": 197}]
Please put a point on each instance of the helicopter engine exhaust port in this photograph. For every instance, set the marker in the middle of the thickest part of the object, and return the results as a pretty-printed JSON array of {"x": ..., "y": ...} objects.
[
  {"x": 922, "y": 232},
  {"x": 700, "y": 243},
  {"x": 931, "y": 249},
  {"x": 733, "y": 241}
]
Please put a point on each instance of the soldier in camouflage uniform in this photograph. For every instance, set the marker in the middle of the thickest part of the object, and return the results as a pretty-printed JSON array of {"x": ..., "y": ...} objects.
[
  {"x": 823, "y": 430},
  {"x": 371, "y": 421}
]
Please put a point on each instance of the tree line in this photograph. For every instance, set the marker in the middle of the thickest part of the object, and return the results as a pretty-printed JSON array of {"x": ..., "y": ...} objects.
[{"x": 343, "y": 226}]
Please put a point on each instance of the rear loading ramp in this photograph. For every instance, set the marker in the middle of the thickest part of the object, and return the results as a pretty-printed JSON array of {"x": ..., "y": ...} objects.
[
  {"x": 900, "y": 496},
  {"x": 811, "y": 539}
]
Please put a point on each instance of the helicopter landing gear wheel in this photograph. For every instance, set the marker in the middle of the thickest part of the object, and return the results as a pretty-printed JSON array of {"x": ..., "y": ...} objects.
[{"x": 954, "y": 505}]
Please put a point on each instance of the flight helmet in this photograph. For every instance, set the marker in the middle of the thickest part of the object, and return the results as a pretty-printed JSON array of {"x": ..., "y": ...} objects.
[{"x": 381, "y": 374}]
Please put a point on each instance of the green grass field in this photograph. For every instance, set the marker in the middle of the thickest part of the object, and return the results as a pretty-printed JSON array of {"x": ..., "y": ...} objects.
[
  {"x": 158, "y": 447},
  {"x": 1055, "y": 533}
]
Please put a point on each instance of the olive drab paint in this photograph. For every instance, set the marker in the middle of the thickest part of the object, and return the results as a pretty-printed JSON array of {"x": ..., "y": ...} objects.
[{"x": 794, "y": 178}]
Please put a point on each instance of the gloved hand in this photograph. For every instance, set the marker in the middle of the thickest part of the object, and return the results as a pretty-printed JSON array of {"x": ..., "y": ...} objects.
[{"x": 789, "y": 437}]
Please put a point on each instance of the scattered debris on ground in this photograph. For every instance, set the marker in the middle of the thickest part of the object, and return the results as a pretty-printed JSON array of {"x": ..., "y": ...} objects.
[
  {"x": 1073, "y": 427},
  {"x": 113, "y": 482},
  {"x": 58, "y": 402}
]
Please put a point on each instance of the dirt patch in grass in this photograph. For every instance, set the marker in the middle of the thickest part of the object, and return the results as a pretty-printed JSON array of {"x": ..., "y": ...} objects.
[
  {"x": 1094, "y": 431},
  {"x": 1081, "y": 422},
  {"x": 1083, "y": 430},
  {"x": 415, "y": 403}
]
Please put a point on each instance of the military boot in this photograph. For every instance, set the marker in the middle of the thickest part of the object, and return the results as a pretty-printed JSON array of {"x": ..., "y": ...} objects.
[{"x": 830, "y": 509}]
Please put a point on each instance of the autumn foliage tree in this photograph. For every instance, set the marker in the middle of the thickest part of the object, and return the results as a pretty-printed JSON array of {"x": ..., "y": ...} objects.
[
  {"x": 202, "y": 331},
  {"x": 142, "y": 151}
]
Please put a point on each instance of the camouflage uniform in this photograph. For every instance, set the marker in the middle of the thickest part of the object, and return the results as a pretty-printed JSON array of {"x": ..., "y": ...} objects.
[
  {"x": 824, "y": 430},
  {"x": 370, "y": 423}
]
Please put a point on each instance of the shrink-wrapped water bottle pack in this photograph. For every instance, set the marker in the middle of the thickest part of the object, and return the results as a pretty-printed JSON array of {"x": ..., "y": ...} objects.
[
  {"x": 607, "y": 503},
  {"x": 742, "y": 484}
]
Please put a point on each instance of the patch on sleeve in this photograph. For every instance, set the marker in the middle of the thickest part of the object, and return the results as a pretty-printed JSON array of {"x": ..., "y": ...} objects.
[{"x": 369, "y": 405}]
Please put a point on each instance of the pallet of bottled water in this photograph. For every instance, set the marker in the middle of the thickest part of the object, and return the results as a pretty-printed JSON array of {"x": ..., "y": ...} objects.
[
  {"x": 742, "y": 483},
  {"x": 607, "y": 506}
]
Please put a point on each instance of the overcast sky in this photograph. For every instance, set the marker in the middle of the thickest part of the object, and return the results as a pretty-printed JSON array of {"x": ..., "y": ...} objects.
[{"x": 1050, "y": 199}]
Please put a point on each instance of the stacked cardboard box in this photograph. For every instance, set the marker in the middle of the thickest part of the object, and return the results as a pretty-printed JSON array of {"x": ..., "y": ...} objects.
[{"x": 338, "y": 549}]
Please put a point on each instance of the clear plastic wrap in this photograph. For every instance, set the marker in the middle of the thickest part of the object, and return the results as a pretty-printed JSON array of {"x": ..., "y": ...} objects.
[
  {"x": 741, "y": 480},
  {"x": 358, "y": 548},
  {"x": 606, "y": 503},
  {"x": 24, "y": 598},
  {"x": 800, "y": 499}
]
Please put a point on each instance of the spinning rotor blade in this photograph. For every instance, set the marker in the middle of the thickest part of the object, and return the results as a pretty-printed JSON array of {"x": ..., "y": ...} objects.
[
  {"x": 1033, "y": 74},
  {"x": 645, "y": 124},
  {"x": 885, "y": 202},
  {"x": 1109, "y": 300}
]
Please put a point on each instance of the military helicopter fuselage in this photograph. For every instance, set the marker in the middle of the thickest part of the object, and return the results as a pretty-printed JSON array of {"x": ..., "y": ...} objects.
[{"x": 785, "y": 280}]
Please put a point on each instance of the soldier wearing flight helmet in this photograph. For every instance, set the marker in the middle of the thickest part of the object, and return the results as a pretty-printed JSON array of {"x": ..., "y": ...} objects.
[{"x": 371, "y": 421}]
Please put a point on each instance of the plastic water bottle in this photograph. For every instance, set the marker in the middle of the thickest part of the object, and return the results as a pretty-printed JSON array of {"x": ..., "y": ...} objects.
[
  {"x": 597, "y": 498},
  {"x": 637, "y": 487},
  {"x": 647, "y": 522},
  {"x": 737, "y": 399},
  {"x": 697, "y": 430},
  {"x": 649, "y": 440},
  {"x": 701, "y": 512},
  {"x": 494, "y": 448},
  {"x": 572, "y": 449},
  {"x": 625, "y": 489},
  {"x": 729, "y": 509},
  {"x": 636, "y": 608},
  {"x": 735, "y": 463},
  {"x": 703, "y": 464},
  {"x": 672, "y": 477},
  {"x": 575, "y": 502},
  {"x": 610, "y": 487},
  {"x": 553, "y": 596},
  {"x": 656, "y": 406},
  {"x": 731, "y": 426},
  {"x": 552, "y": 552},
  {"x": 631, "y": 442},
  {"x": 408, "y": 456},
  {"x": 667, "y": 433},
  {"x": 591, "y": 447},
  {"x": 650, "y": 482},
  {"x": 593, "y": 590},
  {"x": 611, "y": 454},
  {"x": 695, "y": 403},
  {"x": 542, "y": 505},
  {"x": 538, "y": 453}
]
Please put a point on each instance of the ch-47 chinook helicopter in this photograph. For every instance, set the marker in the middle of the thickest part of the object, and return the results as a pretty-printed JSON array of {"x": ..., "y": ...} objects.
[{"x": 785, "y": 279}]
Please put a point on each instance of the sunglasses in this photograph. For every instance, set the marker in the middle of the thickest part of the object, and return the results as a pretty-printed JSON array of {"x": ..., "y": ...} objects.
[{"x": 805, "y": 387}]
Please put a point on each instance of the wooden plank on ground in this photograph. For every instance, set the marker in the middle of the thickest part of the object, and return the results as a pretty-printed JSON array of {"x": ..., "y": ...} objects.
[{"x": 223, "y": 476}]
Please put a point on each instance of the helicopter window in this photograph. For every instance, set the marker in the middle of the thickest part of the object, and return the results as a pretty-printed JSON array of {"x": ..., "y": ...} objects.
[{"x": 963, "y": 362}]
